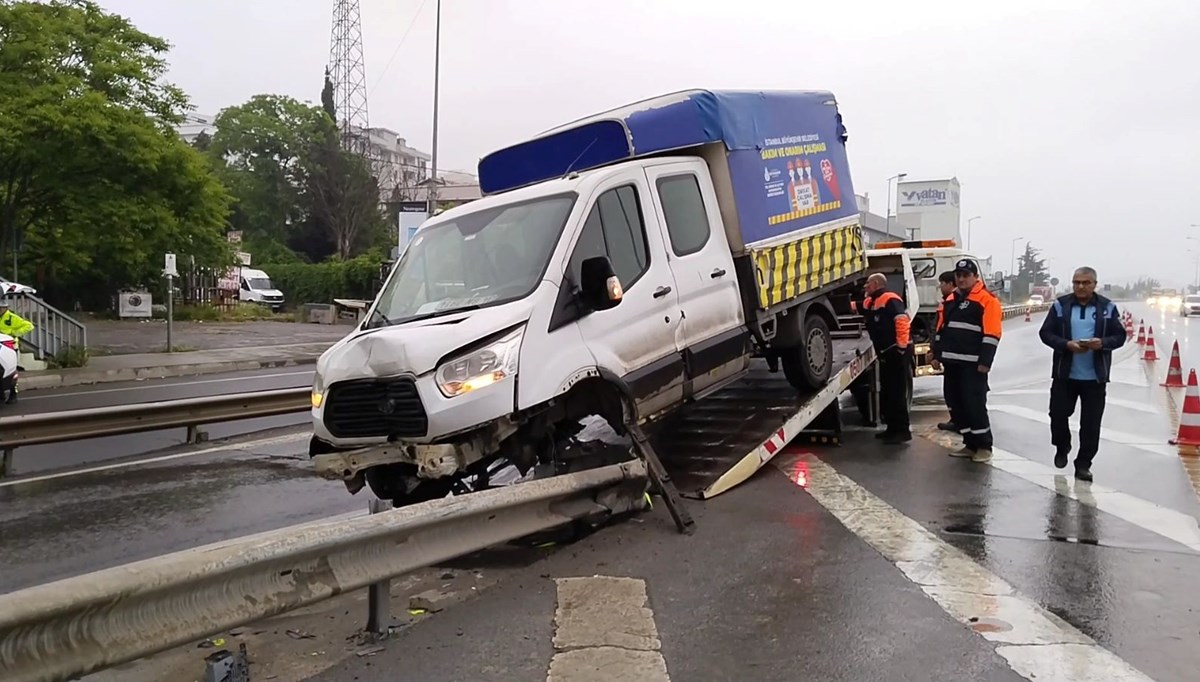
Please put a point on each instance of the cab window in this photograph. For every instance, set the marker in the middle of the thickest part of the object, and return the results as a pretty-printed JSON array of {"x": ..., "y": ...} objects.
[{"x": 615, "y": 229}]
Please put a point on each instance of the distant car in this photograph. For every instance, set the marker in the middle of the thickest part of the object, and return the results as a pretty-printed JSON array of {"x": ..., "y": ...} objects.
[
  {"x": 8, "y": 288},
  {"x": 1036, "y": 299},
  {"x": 1190, "y": 305}
]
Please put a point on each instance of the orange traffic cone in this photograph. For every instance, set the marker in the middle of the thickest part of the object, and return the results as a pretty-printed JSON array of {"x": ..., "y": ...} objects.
[
  {"x": 1141, "y": 340},
  {"x": 1128, "y": 328},
  {"x": 1027, "y": 317},
  {"x": 1189, "y": 421},
  {"x": 1150, "y": 353},
  {"x": 1174, "y": 370}
]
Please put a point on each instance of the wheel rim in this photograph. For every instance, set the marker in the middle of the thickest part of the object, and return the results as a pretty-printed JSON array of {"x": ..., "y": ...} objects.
[{"x": 817, "y": 357}]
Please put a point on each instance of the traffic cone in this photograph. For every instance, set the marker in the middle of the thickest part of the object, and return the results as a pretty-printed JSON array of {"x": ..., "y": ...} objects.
[
  {"x": 1141, "y": 340},
  {"x": 1027, "y": 317},
  {"x": 1174, "y": 370},
  {"x": 1128, "y": 328},
  {"x": 1150, "y": 353},
  {"x": 1189, "y": 421}
]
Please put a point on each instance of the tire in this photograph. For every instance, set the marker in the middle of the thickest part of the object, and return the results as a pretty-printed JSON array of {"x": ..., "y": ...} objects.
[{"x": 809, "y": 365}]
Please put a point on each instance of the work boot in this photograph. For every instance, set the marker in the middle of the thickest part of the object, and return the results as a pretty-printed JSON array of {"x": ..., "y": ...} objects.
[
  {"x": 982, "y": 455},
  {"x": 1084, "y": 474},
  {"x": 964, "y": 451},
  {"x": 948, "y": 426},
  {"x": 1060, "y": 458}
]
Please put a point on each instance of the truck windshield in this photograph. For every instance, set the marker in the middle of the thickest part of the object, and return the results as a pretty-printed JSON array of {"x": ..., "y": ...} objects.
[
  {"x": 485, "y": 258},
  {"x": 259, "y": 283}
]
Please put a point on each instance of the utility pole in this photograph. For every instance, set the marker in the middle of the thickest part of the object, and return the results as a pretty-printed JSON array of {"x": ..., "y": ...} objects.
[
  {"x": 348, "y": 71},
  {"x": 433, "y": 157}
]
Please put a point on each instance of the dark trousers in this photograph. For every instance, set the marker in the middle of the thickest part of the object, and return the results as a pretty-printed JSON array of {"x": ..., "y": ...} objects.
[
  {"x": 966, "y": 392},
  {"x": 1091, "y": 395},
  {"x": 894, "y": 377}
]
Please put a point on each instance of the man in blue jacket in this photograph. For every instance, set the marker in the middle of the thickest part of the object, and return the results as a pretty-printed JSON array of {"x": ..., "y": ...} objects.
[{"x": 1083, "y": 328}]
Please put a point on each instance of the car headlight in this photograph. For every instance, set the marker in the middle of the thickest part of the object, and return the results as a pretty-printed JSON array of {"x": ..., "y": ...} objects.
[
  {"x": 480, "y": 368},
  {"x": 318, "y": 390}
]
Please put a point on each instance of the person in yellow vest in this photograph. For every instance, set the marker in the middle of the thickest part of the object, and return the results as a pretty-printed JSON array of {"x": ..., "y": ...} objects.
[{"x": 15, "y": 326}]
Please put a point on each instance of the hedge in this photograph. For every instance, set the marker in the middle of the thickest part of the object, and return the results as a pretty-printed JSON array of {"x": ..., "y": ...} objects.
[{"x": 323, "y": 282}]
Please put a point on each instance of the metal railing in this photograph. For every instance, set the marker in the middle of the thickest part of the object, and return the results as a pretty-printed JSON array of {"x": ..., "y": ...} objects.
[
  {"x": 80, "y": 625},
  {"x": 189, "y": 413},
  {"x": 53, "y": 330}
]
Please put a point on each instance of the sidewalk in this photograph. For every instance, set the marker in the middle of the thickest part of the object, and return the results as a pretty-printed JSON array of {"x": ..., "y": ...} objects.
[{"x": 134, "y": 366}]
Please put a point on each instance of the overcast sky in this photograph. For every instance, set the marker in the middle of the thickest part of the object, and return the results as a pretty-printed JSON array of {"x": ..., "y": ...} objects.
[{"x": 1072, "y": 123}]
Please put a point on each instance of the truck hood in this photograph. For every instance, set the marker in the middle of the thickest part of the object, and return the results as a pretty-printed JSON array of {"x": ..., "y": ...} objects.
[
  {"x": 269, "y": 292},
  {"x": 415, "y": 347}
]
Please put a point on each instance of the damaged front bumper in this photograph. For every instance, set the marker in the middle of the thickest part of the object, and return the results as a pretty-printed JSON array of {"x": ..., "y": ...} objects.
[{"x": 432, "y": 460}]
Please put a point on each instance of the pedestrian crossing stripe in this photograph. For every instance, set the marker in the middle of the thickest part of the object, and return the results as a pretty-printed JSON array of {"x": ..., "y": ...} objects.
[{"x": 811, "y": 262}]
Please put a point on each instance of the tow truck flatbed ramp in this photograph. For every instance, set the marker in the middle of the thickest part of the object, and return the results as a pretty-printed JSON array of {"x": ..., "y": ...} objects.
[{"x": 716, "y": 443}]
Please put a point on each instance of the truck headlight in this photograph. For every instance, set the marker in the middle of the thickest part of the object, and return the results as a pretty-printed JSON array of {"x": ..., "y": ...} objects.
[
  {"x": 318, "y": 391},
  {"x": 479, "y": 368}
]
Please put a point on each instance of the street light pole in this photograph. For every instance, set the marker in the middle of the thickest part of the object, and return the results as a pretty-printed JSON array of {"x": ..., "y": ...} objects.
[
  {"x": 899, "y": 176},
  {"x": 433, "y": 157},
  {"x": 969, "y": 221}
]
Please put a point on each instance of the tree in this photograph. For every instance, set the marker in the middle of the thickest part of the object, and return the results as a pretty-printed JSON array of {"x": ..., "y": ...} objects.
[
  {"x": 260, "y": 147},
  {"x": 327, "y": 101},
  {"x": 94, "y": 182},
  {"x": 1031, "y": 270},
  {"x": 343, "y": 195}
]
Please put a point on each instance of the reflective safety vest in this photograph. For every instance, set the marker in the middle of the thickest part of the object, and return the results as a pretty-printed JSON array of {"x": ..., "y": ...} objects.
[
  {"x": 14, "y": 325},
  {"x": 968, "y": 327},
  {"x": 887, "y": 320}
]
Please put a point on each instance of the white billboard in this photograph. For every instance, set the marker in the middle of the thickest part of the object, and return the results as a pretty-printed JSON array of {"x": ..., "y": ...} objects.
[{"x": 930, "y": 208}]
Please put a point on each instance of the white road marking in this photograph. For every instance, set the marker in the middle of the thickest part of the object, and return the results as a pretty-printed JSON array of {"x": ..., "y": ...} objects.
[
  {"x": 1160, "y": 520},
  {"x": 1141, "y": 442},
  {"x": 243, "y": 446},
  {"x": 1036, "y": 644},
  {"x": 1119, "y": 402},
  {"x": 605, "y": 632},
  {"x": 33, "y": 395}
]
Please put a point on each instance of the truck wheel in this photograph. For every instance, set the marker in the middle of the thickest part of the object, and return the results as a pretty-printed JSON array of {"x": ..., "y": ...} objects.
[{"x": 809, "y": 365}]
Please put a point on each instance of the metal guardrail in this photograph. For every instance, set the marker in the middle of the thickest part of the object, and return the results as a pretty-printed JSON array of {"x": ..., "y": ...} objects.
[
  {"x": 72, "y": 627},
  {"x": 53, "y": 330},
  {"x": 189, "y": 413},
  {"x": 1010, "y": 311}
]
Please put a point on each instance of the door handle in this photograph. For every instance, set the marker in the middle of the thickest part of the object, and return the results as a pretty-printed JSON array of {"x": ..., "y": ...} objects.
[
  {"x": 661, "y": 291},
  {"x": 718, "y": 273}
]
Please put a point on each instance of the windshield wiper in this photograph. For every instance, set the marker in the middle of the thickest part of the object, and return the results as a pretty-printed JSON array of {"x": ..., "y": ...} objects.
[
  {"x": 441, "y": 313},
  {"x": 387, "y": 322}
]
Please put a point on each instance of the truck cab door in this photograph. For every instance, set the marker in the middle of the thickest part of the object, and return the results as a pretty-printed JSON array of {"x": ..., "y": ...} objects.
[
  {"x": 636, "y": 338},
  {"x": 713, "y": 336}
]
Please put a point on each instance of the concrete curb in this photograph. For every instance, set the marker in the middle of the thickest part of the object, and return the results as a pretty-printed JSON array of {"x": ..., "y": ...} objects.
[{"x": 32, "y": 381}]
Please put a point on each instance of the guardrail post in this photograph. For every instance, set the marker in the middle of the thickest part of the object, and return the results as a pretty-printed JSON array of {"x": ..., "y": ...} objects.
[
  {"x": 379, "y": 595},
  {"x": 195, "y": 435}
]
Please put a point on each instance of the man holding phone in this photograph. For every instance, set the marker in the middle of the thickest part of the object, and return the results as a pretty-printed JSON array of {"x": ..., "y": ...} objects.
[{"x": 1084, "y": 329}]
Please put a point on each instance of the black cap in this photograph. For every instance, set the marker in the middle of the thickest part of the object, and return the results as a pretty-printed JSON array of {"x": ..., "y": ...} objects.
[{"x": 966, "y": 265}]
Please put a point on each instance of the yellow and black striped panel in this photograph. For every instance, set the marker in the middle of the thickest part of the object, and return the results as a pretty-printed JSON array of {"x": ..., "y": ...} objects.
[{"x": 789, "y": 270}]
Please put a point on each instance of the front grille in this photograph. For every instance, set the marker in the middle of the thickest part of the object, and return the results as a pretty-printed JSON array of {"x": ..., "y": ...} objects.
[{"x": 375, "y": 408}]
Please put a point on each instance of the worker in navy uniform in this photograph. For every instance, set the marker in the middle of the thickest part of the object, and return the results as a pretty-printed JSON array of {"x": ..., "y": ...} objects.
[
  {"x": 946, "y": 286},
  {"x": 965, "y": 343},
  {"x": 890, "y": 330},
  {"x": 1083, "y": 328}
]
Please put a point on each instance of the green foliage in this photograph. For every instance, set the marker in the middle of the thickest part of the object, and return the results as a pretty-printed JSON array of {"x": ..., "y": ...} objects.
[
  {"x": 357, "y": 278},
  {"x": 95, "y": 185},
  {"x": 242, "y": 312},
  {"x": 69, "y": 357}
]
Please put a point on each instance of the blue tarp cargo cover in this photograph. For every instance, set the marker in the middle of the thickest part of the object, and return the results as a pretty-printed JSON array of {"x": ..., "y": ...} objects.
[{"x": 786, "y": 152}]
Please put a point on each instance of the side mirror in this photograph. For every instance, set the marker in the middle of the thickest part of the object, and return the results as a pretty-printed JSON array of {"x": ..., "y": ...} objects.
[{"x": 599, "y": 286}]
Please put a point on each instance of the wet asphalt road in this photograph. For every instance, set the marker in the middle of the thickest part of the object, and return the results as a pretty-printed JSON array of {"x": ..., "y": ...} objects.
[
  {"x": 773, "y": 583},
  {"x": 59, "y": 527},
  {"x": 43, "y": 458}
]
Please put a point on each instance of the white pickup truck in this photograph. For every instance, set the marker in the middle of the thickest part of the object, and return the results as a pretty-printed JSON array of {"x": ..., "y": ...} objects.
[{"x": 621, "y": 266}]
